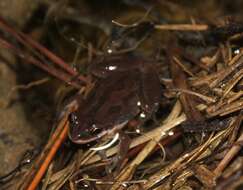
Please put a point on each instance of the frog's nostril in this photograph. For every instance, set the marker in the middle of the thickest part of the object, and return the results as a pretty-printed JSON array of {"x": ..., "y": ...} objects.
[{"x": 73, "y": 118}]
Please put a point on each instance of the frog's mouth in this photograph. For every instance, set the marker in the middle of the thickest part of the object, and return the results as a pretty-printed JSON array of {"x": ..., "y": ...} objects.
[{"x": 94, "y": 137}]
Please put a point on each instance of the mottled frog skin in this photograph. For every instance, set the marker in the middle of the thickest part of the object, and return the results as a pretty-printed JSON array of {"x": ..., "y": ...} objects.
[{"x": 126, "y": 88}]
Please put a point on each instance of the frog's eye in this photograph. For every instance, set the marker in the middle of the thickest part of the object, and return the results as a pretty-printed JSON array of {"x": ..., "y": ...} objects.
[
  {"x": 95, "y": 130},
  {"x": 75, "y": 132}
]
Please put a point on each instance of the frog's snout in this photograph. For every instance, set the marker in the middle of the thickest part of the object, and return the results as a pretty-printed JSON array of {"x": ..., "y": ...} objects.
[
  {"x": 73, "y": 126},
  {"x": 73, "y": 119},
  {"x": 81, "y": 132}
]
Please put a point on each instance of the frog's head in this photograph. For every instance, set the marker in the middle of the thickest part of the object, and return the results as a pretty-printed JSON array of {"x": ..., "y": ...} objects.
[{"x": 81, "y": 129}]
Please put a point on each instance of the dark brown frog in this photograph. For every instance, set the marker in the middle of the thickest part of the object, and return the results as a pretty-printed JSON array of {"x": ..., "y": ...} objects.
[{"x": 127, "y": 87}]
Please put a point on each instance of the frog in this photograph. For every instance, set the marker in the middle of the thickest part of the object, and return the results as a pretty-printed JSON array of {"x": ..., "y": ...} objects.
[{"x": 126, "y": 88}]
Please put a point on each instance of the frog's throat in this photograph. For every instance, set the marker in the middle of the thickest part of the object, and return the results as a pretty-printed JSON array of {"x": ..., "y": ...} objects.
[
  {"x": 113, "y": 130},
  {"x": 107, "y": 145}
]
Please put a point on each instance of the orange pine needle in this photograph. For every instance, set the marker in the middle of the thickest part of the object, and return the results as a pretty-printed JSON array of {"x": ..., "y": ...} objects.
[{"x": 50, "y": 155}]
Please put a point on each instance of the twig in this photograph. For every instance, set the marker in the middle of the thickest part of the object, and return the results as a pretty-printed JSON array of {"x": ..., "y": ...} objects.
[
  {"x": 48, "y": 68},
  {"x": 198, "y": 153},
  {"x": 214, "y": 79},
  {"x": 203, "y": 97},
  {"x": 184, "y": 68},
  {"x": 33, "y": 177},
  {"x": 182, "y": 27},
  {"x": 231, "y": 153},
  {"x": 23, "y": 87},
  {"x": 225, "y": 109},
  {"x": 127, "y": 172},
  {"x": 55, "y": 59},
  {"x": 26, "y": 41},
  {"x": 48, "y": 158},
  {"x": 163, "y": 129}
]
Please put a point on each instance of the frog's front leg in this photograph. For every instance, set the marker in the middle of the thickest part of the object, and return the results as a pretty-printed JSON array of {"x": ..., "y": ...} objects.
[
  {"x": 150, "y": 91},
  {"x": 116, "y": 161},
  {"x": 124, "y": 145},
  {"x": 150, "y": 88}
]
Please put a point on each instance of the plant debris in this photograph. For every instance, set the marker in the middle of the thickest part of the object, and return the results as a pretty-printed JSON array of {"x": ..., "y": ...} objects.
[{"x": 193, "y": 141}]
